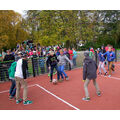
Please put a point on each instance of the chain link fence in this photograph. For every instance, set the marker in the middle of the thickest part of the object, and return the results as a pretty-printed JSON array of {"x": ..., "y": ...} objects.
[{"x": 37, "y": 66}]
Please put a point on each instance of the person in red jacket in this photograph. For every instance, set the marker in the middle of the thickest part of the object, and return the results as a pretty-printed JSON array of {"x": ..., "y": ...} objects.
[{"x": 71, "y": 57}]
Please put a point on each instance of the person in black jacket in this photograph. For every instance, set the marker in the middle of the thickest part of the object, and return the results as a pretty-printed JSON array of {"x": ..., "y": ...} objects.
[
  {"x": 52, "y": 62},
  {"x": 9, "y": 59},
  {"x": 89, "y": 73}
]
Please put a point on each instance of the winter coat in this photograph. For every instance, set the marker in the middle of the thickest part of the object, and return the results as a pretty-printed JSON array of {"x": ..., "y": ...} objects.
[
  {"x": 89, "y": 69},
  {"x": 110, "y": 56},
  {"x": 101, "y": 58},
  {"x": 11, "y": 70}
]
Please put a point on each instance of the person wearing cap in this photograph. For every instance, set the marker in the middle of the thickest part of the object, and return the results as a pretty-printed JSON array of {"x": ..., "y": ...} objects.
[
  {"x": 101, "y": 62},
  {"x": 89, "y": 73},
  {"x": 20, "y": 78},
  {"x": 52, "y": 62}
]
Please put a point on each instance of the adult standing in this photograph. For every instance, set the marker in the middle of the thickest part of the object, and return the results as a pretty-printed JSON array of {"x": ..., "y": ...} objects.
[
  {"x": 89, "y": 73},
  {"x": 20, "y": 78},
  {"x": 71, "y": 57},
  {"x": 74, "y": 57}
]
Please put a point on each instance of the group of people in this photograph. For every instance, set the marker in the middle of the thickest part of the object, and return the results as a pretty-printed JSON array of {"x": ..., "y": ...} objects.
[
  {"x": 56, "y": 58},
  {"x": 90, "y": 66}
]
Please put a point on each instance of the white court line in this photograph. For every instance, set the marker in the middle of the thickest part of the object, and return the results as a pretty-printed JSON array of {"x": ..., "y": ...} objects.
[
  {"x": 111, "y": 77},
  {"x": 8, "y": 90},
  {"x": 57, "y": 97}
]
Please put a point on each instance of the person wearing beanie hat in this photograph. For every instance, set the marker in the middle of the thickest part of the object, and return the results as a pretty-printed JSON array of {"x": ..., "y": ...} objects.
[{"x": 89, "y": 73}]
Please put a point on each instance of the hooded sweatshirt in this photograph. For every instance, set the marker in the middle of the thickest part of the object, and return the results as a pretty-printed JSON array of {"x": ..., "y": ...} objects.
[
  {"x": 52, "y": 60},
  {"x": 11, "y": 70},
  {"x": 89, "y": 69}
]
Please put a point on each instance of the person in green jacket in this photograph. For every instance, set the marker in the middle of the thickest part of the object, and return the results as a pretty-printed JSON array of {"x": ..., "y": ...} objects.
[
  {"x": 91, "y": 54},
  {"x": 11, "y": 72}
]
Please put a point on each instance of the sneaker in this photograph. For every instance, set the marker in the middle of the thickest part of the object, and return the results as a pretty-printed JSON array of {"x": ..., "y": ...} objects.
[
  {"x": 50, "y": 80},
  {"x": 27, "y": 102},
  {"x": 54, "y": 73},
  {"x": 67, "y": 78},
  {"x": 99, "y": 73},
  {"x": 11, "y": 97},
  {"x": 86, "y": 99},
  {"x": 60, "y": 80},
  {"x": 109, "y": 75},
  {"x": 98, "y": 93},
  {"x": 105, "y": 74},
  {"x": 48, "y": 75},
  {"x": 18, "y": 101}
]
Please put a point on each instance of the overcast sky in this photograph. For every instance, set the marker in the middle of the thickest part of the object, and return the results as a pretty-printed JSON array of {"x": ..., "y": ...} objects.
[{"x": 20, "y": 11}]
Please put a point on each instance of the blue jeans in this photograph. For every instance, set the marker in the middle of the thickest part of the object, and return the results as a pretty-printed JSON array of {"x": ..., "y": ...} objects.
[
  {"x": 13, "y": 88},
  {"x": 74, "y": 61},
  {"x": 51, "y": 72},
  {"x": 61, "y": 71}
]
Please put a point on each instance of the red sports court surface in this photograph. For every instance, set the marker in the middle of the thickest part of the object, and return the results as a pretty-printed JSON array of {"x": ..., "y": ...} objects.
[{"x": 66, "y": 95}]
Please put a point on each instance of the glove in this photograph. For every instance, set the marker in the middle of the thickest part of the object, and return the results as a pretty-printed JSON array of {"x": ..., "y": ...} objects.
[{"x": 83, "y": 80}]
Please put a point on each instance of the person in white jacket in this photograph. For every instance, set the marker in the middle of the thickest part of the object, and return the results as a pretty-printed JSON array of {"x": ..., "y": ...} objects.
[{"x": 61, "y": 64}]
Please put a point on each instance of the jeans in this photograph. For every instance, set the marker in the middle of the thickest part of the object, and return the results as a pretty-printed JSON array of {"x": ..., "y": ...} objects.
[
  {"x": 61, "y": 71},
  {"x": 74, "y": 61},
  {"x": 51, "y": 72},
  {"x": 101, "y": 65},
  {"x": 13, "y": 88}
]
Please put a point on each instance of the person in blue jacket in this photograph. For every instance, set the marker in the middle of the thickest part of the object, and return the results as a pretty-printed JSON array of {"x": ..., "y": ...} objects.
[
  {"x": 101, "y": 62},
  {"x": 110, "y": 58}
]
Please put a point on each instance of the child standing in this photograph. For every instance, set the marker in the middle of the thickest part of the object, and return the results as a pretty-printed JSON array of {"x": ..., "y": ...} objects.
[
  {"x": 11, "y": 72},
  {"x": 101, "y": 62},
  {"x": 89, "y": 73},
  {"x": 110, "y": 58}
]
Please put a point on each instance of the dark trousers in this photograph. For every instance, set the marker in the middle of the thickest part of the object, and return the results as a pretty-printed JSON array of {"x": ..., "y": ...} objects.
[
  {"x": 13, "y": 88},
  {"x": 51, "y": 72},
  {"x": 74, "y": 61}
]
